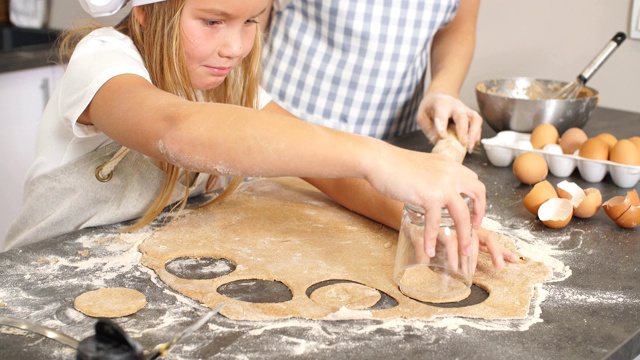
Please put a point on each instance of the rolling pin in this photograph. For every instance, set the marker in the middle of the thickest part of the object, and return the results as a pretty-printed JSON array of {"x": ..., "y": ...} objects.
[{"x": 450, "y": 146}]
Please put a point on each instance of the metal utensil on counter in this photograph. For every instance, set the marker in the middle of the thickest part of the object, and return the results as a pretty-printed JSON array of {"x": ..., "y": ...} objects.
[
  {"x": 110, "y": 341},
  {"x": 162, "y": 349},
  {"x": 42, "y": 330},
  {"x": 572, "y": 89}
]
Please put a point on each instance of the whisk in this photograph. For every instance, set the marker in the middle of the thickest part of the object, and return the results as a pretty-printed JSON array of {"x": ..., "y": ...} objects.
[{"x": 571, "y": 90}]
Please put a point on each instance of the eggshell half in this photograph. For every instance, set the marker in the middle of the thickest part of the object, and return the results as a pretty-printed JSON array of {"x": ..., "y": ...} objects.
[
  {"x": 616, "y": 206},
  {"x": 630, "y": 218},
  {"x": 555, "y": 213},
  {"x": 572, "y": 192},
  {"x": 540, "y": 193},
  {"x": 633, "y": 197},
  {"x": 589, "y": 205}
]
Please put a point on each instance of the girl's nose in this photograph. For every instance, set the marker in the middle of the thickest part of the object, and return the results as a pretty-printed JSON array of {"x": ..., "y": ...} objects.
[{"x": 232, "y": 45}]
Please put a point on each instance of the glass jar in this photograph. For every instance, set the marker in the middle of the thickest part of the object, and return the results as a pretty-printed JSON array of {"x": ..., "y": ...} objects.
[{"x": 445, "y": 277}]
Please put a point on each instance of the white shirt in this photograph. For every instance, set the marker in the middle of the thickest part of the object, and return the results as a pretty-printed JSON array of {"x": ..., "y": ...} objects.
[{"x": 100, "y": 56}]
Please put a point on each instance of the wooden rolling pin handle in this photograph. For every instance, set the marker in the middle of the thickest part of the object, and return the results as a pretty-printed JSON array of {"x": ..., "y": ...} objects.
[{"x": 450, "y": 146}]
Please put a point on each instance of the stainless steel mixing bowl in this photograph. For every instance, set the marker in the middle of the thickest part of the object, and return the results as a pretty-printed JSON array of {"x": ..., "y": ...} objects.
[{"x": 520, "y": 104}]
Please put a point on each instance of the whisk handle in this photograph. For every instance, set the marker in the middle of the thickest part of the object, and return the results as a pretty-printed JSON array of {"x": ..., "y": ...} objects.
[{"x": 595, "y": 64}]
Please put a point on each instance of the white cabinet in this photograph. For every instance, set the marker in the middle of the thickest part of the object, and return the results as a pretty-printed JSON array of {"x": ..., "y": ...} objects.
[{"x": 23, "y": 96}]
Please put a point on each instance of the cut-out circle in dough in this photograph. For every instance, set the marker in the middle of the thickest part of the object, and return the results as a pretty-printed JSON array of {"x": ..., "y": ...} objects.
[
  {"x": 348, "y": 294},
  {"x": 110, "y": 302},
  {"x": 256, "y": 291},
  {"x": 199, "y": 268}
]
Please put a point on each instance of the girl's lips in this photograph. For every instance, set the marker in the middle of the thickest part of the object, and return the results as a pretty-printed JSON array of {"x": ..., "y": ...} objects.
[{"x": 219, "y": 70}]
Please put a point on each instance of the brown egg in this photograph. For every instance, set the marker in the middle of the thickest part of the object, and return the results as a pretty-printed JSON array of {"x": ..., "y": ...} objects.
[
  {"x": 608, "y": 138},
  {"x": 595, "y": 149},
  {"x": 571, "y": 140},
  {"x": 556, "y": 212},
  {"x": 589, "y": 205},
  {"x": 540, "y": 193},
  {"x": 530, "y": 168},
  {"x": 542, "y": 135},
  {"x": 625, "y": 152},
  {"x": 636, "y": 141}
]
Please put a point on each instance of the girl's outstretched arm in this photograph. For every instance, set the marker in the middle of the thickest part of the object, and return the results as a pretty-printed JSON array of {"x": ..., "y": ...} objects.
[{"x": 232, "y": 140}]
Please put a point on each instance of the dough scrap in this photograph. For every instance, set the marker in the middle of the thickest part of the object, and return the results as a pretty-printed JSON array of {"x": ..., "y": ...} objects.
[
  {"x": 286, "y": 230},
  {"x": 348, "y": 294},
  {"x": 110, "y": 302}
]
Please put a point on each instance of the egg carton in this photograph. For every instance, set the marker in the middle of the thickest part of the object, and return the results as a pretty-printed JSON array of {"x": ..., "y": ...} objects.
[{"x": 503, "y": 148}]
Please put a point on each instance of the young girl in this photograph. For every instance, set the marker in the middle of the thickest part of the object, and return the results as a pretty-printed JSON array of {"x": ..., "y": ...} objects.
[{"x": 170, "y": 94}]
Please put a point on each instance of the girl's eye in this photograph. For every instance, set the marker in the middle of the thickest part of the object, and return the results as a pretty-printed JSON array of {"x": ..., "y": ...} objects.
[
  {"x": 212, "y": 22},
  {"x": 251, "y": 21}
]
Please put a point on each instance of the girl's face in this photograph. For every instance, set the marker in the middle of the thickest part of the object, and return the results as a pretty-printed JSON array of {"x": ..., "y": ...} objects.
[{"x": 217, "y": 35}]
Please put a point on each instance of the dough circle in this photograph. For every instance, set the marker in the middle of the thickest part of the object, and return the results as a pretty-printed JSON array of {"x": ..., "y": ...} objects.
[
  {"x": 110, "y": 302},
  {"x": 424, "y": 284},
  {"x": 351, "y": 295}
]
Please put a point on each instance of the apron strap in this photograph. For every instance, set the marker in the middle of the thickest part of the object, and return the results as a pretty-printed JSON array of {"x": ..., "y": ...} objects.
[{"x": 104, "y": 172}]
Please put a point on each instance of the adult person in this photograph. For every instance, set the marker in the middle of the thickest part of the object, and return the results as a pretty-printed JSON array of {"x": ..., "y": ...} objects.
[{"x": 361, "y": 65}]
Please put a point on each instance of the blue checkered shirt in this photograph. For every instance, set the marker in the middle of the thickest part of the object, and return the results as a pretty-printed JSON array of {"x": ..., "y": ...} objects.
[{"x": 357, "y": 66}]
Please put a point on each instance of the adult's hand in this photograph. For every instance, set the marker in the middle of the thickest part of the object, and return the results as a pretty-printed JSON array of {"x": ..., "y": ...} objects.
[{"x": 435, "y": 112}]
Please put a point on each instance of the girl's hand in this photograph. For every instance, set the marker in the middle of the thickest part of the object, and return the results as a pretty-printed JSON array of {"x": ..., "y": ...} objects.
[
  {"x": 488, "y": 243},
  {"x": 437, "y": 109},
  {"x": 433, "y": 182}
]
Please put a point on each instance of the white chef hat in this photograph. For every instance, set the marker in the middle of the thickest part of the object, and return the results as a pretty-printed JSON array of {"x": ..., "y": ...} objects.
[{"x": 98, "y": 8}]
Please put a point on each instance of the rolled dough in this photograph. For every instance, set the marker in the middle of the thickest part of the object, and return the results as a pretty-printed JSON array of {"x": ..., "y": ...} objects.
[
  {"x": 350, "y": 295},
  {"x": 287, "y": 231},
  {"x": 110, "y": 302}
]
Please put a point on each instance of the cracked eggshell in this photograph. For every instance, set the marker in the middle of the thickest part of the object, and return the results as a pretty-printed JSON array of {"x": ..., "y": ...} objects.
[
  {"x": 624, "y": 210},
  {"x": 630, "y": 218},
  {"x": 541, "y": 192},
  {"x": 556, "y": 212},
  {"x": 616, "y": 206},
  {"x": 572, "y": 192},
  {"x": 633, "y": 197},
  {"x": 589, "y": 205}
]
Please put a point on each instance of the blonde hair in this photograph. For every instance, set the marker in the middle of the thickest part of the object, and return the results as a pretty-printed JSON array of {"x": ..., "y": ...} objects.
[{"x": 159, "y": 42}]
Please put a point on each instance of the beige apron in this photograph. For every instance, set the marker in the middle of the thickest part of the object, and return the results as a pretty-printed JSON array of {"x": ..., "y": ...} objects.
[{"x": 70, "y": 198}]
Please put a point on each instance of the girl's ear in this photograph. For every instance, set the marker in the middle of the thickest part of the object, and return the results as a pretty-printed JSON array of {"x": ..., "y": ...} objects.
[{"x": 139, "y": 14}]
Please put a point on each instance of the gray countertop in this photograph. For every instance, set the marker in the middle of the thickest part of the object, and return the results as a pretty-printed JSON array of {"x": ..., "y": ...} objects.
[{"x": 592, "y": 314}]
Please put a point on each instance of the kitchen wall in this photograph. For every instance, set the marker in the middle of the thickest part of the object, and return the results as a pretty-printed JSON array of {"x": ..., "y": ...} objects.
[{"x": 546, "y": 39}]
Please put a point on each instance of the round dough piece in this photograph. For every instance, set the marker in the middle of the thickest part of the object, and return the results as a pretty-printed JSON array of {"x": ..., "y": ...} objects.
[
  {"x": 110, "y": 302},
  {"x": 424, "y": 284},
  {"x": 351, "y": 295}
]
